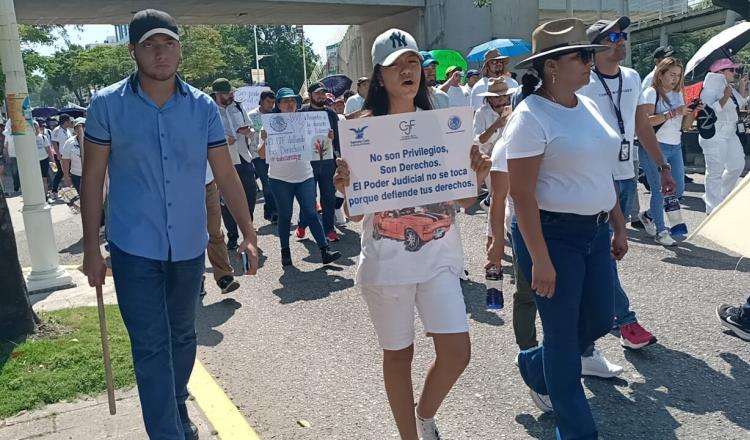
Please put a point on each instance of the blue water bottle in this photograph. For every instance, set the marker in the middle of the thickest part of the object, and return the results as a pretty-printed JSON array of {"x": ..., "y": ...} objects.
[
  {"x": 674, "y": 214},
  {"x": 493, "y": 279}
]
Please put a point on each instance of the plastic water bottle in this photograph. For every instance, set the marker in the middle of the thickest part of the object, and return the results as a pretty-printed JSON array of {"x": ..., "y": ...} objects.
[
  {"x": 674, "y": 214},
  {"x": 493, "y": 279}
]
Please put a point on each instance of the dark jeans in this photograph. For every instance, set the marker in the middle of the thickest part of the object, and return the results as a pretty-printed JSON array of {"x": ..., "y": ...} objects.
[
  {"x": 579, "y": 313},
  {"x": 323, "y": 171},
  {"x": 76, "y": 182},
  {"x": 13, "y": 170},
  {"x": 304, "y": 192},
  {"x": 247, "y": 177},
  {"x": 158, "y": 301},
  {"x": 524, "y": 310},
  {"x": 54, "y": 184},
  {"x": 261, "y": 172},
  {"x": 746, "y": 310}
]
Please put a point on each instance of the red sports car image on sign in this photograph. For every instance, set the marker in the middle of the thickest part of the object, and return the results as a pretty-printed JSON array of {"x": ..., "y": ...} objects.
[{"x": 414, "y": 226}]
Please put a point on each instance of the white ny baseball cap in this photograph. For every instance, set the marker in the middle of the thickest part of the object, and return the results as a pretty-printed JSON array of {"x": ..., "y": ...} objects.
[{"x": 391, "y": 44}]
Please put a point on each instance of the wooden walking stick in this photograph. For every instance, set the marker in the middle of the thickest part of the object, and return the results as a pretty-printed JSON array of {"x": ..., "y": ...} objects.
[{"x": 105, "y": 351}]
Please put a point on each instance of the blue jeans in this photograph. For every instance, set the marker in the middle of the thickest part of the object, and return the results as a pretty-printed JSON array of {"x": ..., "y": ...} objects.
[
  {"x": 247, "y": 177},
  {"x": 673, "y": 155},
  {"x": 261, "y": 172},
  {"x": 76, "y": 180},
  {"x": 158, "y": 302},
  {"x": 323, "y": 170},
  {"x": 578, "y": 314},
  {"x": 626, "y": 194},
  {"x": 284, "y": 193}
]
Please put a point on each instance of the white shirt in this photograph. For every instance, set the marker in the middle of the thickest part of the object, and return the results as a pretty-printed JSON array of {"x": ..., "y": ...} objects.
[
  {"x": 42, "y": 146},
  {"x": 500, "y": 164},
  {"x": 72, "y": 150},
  {"x": 579, "y": 152},
  {"x": 354, "y": 104},
  {"x": 209, "y": 174},
  {"x": 648, "y": 80},
  {"x": 482, "y": 85},
  {"x": 726, "y": 115},
  {"x": 483, "y": 118},
  {"x": 60, "y": 135},
  {"x": 291, "y": 171},
  {"x": 233, "y": 117},
  {"x": 459, "y": 96},
  {"x": 256, "y": 123},
  {"x": 631, "y": 94},
  {"x": 9, "y": 140},
  {"x": 671, "y": 131},
  {"x": 439, "y": 99}
]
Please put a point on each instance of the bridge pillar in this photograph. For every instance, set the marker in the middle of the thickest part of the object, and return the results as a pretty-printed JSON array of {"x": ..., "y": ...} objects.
[{"x": 663, "y": 37}]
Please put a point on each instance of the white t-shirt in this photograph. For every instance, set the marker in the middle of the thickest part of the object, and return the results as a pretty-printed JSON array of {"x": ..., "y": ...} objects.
[
  {"x": 42, "y": 145},
  {"x": 459, "y": 96},
  {"x": 648, "y": 80},
  {"x": 72, "y": 150},
  {"x": 482, "y": 85},
  {"x": 579, "y": 153},
  {"x": 500, "y": 164},
  {"x": 631, "y": 94},
  {"x": 354, "y": 104},
  {"x": 671, "y": 131},
  {"x": 60, "y": 135},
  {"x": 483, "y": 118},
  {"x": 439, "y": 99}
]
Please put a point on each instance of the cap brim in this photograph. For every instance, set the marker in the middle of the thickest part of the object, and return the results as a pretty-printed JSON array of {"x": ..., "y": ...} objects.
[
  {"x": 622, "y": 22},
  {"x": 164, "y": 31},
  {"x": 529, "y": 62},
  {"x": 492, "y": 94},
  {"x": 391, "y": 58}
]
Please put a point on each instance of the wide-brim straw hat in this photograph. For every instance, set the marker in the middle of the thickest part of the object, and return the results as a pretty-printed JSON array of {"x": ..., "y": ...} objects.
[
  {"x": 492, "y": 54},
  {"x": 496, "y": 87},
  {"x": 558, "y": 37}
]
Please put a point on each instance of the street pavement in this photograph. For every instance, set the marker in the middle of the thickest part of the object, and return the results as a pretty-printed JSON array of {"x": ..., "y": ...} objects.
[{"x": 296, "y": 347}]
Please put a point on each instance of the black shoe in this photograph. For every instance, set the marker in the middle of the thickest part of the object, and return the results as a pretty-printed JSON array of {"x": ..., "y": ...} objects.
[
  {"x": 637, "y": 224},
  {"x": 188, "y": 427},
  {"x": 228, "y": 284},
  {"x": 731, "y": 318},
  {"x": 232, "y": 245},
  {"x": 329, "y": 256},
  {"x": 286, "y": 257},
  {"x": 688, "y": 179},
  {"x": 203, "y": 286},
  {"x": 274, "y": 219}
]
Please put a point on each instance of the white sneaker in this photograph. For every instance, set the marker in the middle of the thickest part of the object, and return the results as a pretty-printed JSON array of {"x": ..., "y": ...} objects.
[
  {"x": 597, "y": 365},
  {"x": 541, "y": 401},
  {"x": 427, "y": 429},
  {"x": 340, "y": 217},
  {"x": 664, "y": 239},
  {"x": 648, "y": 223}
]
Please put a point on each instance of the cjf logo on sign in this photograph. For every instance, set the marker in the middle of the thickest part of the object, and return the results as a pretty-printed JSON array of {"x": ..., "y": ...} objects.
[{"x": 406, "y": 126}]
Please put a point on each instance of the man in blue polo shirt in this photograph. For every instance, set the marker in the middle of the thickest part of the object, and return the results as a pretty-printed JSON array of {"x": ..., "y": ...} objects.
[{"x": 153, "y": 133}]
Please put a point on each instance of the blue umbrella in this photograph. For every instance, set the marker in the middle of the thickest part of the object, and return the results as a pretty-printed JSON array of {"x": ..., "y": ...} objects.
[{"x": 506, "y": 47}]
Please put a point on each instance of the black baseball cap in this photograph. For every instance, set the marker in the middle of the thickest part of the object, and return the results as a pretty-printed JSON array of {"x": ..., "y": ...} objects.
[
  {"x": 63, "y": 118},
  {"x": 316, "y": 87},
  {"x": 663, "y": 52},
  {"x": 149, "y": 22},
  {"x": 706, "y": 121},
  {"x": 602, "y": 27}
]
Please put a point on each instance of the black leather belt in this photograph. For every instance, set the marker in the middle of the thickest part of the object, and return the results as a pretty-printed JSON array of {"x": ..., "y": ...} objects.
[{"x": 597, "y": 219}]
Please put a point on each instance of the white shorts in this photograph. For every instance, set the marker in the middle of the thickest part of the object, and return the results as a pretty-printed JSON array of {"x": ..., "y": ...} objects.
[{"x": 439, "y": 301}]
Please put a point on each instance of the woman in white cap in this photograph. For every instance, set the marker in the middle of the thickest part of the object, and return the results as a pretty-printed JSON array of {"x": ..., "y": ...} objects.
[
  {"x": 394, "y": 279},
  {"x": 561, "y": 155},
  {"x": 723, "y": 153}
]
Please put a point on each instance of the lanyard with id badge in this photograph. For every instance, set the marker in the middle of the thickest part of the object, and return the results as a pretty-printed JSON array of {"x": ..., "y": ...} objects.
[{"x": 624, "y": 155}]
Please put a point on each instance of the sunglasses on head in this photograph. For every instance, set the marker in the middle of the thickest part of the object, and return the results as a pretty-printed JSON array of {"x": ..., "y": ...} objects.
[{"x": 614, "y": 37}]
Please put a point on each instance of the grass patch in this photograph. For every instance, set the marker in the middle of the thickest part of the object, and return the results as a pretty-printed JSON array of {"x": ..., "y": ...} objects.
[{"x": 63, "y": 361}]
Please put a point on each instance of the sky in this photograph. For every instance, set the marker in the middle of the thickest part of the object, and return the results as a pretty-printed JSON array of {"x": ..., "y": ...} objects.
[{"x": 321, "y": 36}]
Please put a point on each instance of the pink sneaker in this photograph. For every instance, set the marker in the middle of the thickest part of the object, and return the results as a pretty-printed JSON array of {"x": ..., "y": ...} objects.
[
  {"x": 300, "y": 232},
  {"x": 633, "y": 336}
]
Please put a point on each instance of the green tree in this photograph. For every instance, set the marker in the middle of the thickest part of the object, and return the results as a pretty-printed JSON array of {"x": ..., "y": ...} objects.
[
  {"x": 60, "y": 72},
  {"x": 203, "y": 55},
  {"x": 102, "y": 65}
]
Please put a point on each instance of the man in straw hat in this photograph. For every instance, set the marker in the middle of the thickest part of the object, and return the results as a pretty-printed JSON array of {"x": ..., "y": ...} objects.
[
  {"x": 491, "y": 117},
  {"x": 493, "y": 66},
  {"x": 616, "y": 91}
]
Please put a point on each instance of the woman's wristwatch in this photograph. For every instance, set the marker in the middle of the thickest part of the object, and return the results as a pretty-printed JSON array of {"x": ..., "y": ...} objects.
[{"x": 664, "y": 167}]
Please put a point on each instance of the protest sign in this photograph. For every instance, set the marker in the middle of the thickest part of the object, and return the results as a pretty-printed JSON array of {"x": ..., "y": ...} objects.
[
  {"x": 249, "y": 96},
  {"x": 408, "y": 159},
  {"x": 297, "y": 136}
]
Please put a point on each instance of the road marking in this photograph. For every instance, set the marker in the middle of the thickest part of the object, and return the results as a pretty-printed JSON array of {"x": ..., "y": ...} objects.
[{"x": 226, "y": 419}]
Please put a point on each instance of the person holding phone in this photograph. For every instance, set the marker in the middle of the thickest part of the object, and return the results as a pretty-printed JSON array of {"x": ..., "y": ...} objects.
[
  {"x": 396, "y": 277},
  {"x": 669, "y": 115}
]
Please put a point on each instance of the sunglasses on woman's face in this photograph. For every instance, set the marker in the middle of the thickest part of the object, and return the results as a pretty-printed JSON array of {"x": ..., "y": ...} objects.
[
  {"x": 614, "y": 37},
  {"x": 733, "y": 70},
  {"x": 585, "y": 55}
]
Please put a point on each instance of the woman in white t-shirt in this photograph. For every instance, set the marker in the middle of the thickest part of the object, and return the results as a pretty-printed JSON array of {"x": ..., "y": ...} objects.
[
  {"x": 668, "y": 115},
  {"x": 412, "y": 257},
  {"x": 292, "y": 179},
  {"x": 561, "y": 156},
  {"x": 70, "y": 155}
]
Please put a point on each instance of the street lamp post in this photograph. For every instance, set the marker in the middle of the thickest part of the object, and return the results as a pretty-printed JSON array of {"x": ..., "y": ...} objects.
[
  {"x": 301, "y": 33},
  {"x": 46, "y": 272}
]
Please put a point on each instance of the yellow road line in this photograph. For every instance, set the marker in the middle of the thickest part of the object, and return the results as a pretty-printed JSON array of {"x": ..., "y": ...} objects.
[{"x": 226, "y": 419}]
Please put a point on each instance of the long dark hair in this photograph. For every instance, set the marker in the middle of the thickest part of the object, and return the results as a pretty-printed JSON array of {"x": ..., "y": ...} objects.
[{"x": 377, "y": 96}]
